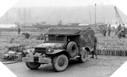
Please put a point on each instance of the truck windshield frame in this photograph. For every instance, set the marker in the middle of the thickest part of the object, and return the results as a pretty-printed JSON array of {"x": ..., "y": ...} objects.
[{"x": 55, "y": 38}]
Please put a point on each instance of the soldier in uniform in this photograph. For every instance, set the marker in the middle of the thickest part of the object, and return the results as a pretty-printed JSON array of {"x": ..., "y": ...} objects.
[
  {"x": 109, "y": 30},
  {"x": 121, "y": 31},
  {"x": 118, "y": 29},
  {"x": 18, "y": 26},
  {"x": 95, "y": 47},
  {"x": 19, "y": 30}
]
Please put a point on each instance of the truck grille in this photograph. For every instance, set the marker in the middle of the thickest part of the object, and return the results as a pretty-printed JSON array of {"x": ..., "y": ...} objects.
[
  {"x": 36, "y": 59},
  {"x": 40, "y": 50}
]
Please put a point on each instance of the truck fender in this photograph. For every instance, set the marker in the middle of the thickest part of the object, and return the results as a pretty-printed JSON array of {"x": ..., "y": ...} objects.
[{"x": 57, "y": 51}]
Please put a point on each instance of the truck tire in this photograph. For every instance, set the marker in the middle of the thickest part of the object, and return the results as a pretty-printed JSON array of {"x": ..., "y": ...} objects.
[
  {"x": 83, "y": 56},
  {"x": 33, "y": 65},
  {"x": 72, "y": 49},
  {"x": 60, "y": 62}
]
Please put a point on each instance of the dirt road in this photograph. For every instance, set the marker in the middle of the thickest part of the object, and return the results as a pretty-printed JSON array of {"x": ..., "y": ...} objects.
[{"x": 104, "y": 66}]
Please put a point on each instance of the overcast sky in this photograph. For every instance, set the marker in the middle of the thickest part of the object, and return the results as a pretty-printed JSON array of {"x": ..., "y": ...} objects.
[{"x": 31, "y": 3}]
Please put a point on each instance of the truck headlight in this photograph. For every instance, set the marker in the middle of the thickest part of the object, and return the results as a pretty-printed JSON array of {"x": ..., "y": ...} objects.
[{"x": 50, "y": 50}]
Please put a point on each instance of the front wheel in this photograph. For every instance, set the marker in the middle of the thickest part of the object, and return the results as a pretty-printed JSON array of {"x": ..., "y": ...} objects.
[
  {"x": 33, "y": 65},
  {"x": 83, "y": 57},
  {"x": 60, "y": 62}
]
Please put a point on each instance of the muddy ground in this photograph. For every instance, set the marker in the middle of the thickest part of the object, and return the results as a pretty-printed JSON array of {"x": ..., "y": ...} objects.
[{"x": 104, "y": 66}]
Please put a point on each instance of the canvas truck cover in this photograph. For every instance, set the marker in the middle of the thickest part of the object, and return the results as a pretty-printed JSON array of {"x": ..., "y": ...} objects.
[
  {"x": 87, "y": 38},
  {"x": 86, "y": 35},
  {"x": 64, "y": 31},
  {"x": 67, "y": 30}
]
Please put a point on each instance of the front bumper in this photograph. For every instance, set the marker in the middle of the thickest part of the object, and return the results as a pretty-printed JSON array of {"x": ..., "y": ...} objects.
[{"x": 38, "y": 59}]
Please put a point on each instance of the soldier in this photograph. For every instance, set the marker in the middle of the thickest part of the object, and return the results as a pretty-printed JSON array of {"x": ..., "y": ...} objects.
[
  {"x": 19, "y": 30},
  {"x": 18, "y": 26},
  {"x": 109, "y": 30},
  {"x": 27, "y": 35},
  {"x": 118, "y": 29},
  {"x": 104, "y": 32},
  {"x": 122, "y": 33},
  {"x": 95, "y": 47}
]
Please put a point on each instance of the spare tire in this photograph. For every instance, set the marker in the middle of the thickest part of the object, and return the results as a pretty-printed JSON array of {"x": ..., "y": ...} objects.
[{"x": 72, "y": 49}]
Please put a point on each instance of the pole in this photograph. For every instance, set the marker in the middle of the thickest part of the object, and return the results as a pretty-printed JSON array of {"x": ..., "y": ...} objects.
[
  {"x": 95, "y": 14},
  {"x": 90, "y": 17}
]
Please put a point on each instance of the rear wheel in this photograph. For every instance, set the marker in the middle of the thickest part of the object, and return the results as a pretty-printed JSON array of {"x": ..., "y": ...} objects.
[
  {"x": 83, "y": 57},
  {"x": 60, "y": 62},
  {"x": 33, "y": 65}
]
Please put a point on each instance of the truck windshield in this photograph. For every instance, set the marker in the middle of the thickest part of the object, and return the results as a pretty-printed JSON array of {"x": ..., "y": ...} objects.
[{"x": 55, "y": 38}]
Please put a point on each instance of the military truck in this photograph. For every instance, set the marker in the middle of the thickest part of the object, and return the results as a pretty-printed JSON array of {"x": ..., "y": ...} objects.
[{"x": 60, "y": 46}]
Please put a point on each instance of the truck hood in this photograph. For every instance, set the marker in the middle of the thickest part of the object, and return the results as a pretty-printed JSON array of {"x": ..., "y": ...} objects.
[{"x": 51, "y": 45}]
